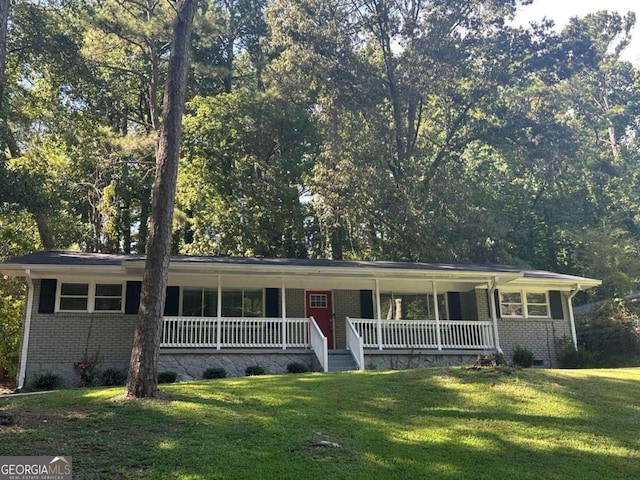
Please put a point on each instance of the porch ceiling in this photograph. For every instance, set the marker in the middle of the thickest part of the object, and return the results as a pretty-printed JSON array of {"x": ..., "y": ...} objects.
[{"x": 324, "y": 282}]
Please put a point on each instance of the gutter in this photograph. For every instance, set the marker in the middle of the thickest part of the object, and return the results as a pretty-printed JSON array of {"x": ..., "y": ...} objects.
[
  {"x": 571, "y": 318},
  {"x": 26, "y": 331},
  {"x": 494, "y": 315}
]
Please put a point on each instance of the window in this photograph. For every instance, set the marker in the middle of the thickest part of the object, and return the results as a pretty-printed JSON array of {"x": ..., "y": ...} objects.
[
  {"x": 242, "y": 302},
  {"x": 108, "y": 297},
  {"x": 74, "y": 296},
  {"x": 537, "y": 305},
  {"x": 525, "y": 305},
  {"x": 199, "y": 302},
  {"x": 511, "y": 304},
  {"x": 90, "y": 297},
  {"x": 403, "y": 306},
  {"x": 317, "y": 300}
]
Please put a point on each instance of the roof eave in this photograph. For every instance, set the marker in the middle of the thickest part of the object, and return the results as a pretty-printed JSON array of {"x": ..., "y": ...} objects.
[
  {"x": 569, "y": 283},
  {"x": 41, "y": 270}
]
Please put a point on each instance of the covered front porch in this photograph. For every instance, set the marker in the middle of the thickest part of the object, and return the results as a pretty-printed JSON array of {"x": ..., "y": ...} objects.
[
  {"x": 304, "y": 333},
  {"x": 401, "y": 313}
]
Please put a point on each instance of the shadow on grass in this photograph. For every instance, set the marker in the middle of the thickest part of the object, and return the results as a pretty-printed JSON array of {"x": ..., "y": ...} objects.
[{"x": 441, "y": 423}]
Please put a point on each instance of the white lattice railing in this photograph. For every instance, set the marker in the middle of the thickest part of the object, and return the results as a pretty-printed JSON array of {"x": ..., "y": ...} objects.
[
  {"x": 228, "y": 332},
  {"x": 454, "y": 334}
]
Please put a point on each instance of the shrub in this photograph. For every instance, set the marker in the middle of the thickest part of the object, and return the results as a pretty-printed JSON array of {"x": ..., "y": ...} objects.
[
  {"x": 210, "y": 373},
  {"x": 253, "y": 370},
  {"x": 112, "y": 377},
  {"x": 47, "y": 381},
  {"x": 609, "y": 331},
  {"x": 296, "y": 367},
  {"x": 569, "y": 357},
  {"x": 88, "y": 370},
  {"x": 167, "y": 377},
  {"x": 522, "y": 357}
]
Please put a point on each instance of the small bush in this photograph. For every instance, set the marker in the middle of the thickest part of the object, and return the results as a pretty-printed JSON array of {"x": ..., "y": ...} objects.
[
  {"x": 254, "y": 370},
  {"x": 47, "y": 381},
  {"x": 167, "y": 377},
  {"x": 88, "y": 370},
  {"x": 210, "y": 373},
  {"x": 296, "y": 367},
  {"x": 569, "y": 357},
  {"x": 113, "y": 377},
  {"x": 522, "y": 357}
]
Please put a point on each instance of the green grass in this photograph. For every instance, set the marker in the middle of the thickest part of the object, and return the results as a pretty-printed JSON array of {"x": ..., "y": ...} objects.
[{"x": 432, "y": 423}]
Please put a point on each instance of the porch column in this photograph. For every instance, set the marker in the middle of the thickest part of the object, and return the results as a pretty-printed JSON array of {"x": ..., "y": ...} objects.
[
  {"x": 219, "y": 322},
  {"x": 494, "y": 316},
  {"x": 379, "y": 327},
  {"x": 436, "y": 311},
  {"x": 283, "y": 299}
]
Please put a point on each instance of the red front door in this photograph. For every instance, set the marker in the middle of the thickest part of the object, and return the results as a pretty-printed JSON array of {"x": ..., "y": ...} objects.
[{"x": 319, "y": 307}]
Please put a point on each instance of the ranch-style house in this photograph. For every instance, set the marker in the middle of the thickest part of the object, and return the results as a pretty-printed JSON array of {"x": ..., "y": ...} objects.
[{"x": 234, "y": 312}]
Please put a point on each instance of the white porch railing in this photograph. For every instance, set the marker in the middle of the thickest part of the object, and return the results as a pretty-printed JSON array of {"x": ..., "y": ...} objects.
[
  {"x": 454, "y": 334},
  {"x": 354, "y": 344},
  {"x": 319, "y": 344},
  {"x": 213, "y": 332},
  {"x": 226, "y": 332}
]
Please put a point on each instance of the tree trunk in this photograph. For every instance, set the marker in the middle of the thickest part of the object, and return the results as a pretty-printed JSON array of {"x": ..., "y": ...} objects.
[
  {"x": 4, "y": 16},
  {"x": 46, "y": 238},
  {"x": 142, "y": 380},
  {"x": 143, "y": 231}
]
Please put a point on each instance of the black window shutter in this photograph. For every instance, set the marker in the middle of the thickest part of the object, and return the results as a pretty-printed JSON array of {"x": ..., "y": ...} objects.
[
  {"x": 132, "y": 298},
  {"x": 555, "y": 304},
  {"x": 496, "y": 297},
  {"x": 366, "y": 304},
  {"x": 47, "y": 302},
  {"x": 172, "y": 301},
  {"x": 455, "y": 308},
  {"x": 271, "y": 301}
]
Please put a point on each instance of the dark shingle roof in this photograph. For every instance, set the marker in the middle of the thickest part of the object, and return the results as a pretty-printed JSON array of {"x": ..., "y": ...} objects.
[
  {"x": 89, "y": 259},
  {"x": 73, "y": 259}
]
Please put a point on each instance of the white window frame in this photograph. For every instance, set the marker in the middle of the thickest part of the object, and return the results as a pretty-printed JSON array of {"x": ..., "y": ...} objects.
[
  {"x": 525, "y": 306},
  {"x": 91, "y": 295}
]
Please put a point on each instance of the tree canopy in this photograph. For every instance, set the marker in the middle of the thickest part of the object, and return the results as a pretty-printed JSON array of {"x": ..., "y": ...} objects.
[{"x": 422, "y": 130}]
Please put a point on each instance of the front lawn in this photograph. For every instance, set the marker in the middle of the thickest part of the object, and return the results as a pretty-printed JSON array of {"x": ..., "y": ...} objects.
[{"x": 431, "y": 423}]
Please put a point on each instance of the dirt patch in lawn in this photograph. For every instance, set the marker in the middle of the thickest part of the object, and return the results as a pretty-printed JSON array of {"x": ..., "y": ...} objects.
[{"x": 28, "y": 418}]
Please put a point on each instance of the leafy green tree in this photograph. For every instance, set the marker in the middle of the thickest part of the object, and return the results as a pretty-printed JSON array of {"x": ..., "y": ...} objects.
[
  {"x": 245, "y": 163},
  {"x": 609, "y": 332},
  {"x": 18, "y": 235}
]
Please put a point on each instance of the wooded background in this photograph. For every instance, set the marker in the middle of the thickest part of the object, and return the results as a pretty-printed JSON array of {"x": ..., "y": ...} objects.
[{"x": 420, "y": 130}]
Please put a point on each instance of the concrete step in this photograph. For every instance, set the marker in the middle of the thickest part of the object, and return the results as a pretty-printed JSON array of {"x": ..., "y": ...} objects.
[{"x": 341, "y": 361}]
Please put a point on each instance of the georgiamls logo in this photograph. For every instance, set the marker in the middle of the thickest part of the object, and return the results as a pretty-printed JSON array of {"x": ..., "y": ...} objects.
[{"x": 35, "y": 468}]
